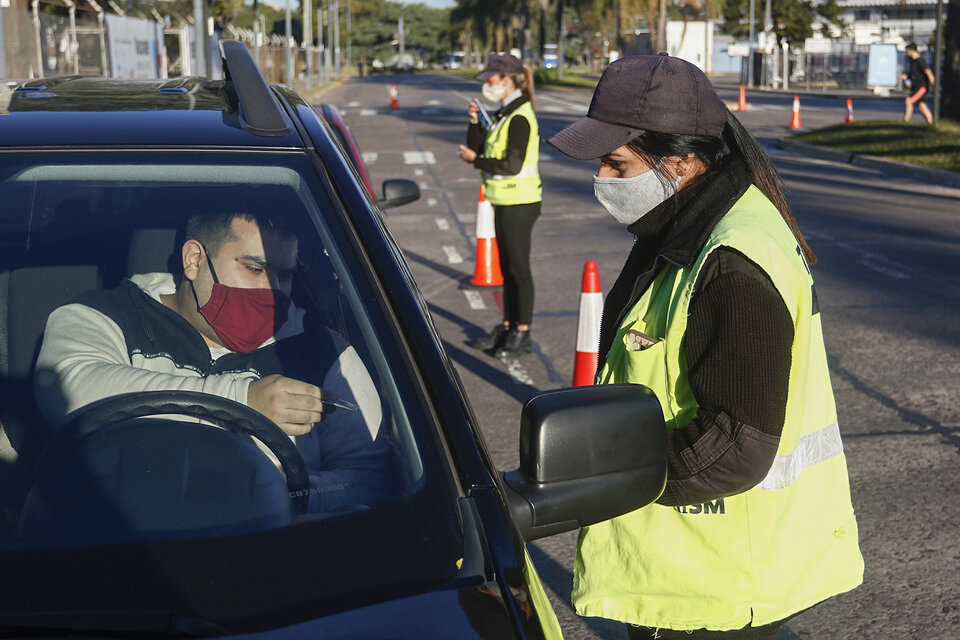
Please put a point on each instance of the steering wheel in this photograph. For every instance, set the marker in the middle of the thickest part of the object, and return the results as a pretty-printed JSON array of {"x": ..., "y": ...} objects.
[{"x": 222, "y": 412}]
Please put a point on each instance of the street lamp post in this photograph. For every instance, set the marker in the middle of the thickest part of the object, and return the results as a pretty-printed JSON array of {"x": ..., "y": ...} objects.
[
  {"x": 308, "y": 39},
  {"x": 938, "y": 62},
  {"x": 750, "y": 50},
  {"x": 288, "y": 42}
]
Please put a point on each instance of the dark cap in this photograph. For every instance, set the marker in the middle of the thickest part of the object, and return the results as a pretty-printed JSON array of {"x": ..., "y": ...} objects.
[
  {"x": 638, "y": 93},
  {"x": 500, "y": 63}
]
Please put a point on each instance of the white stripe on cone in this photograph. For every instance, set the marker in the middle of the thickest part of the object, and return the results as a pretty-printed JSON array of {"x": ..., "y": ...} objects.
[
  {"x": 588, "y": 327},
  {"x": 486, "y": 272}
]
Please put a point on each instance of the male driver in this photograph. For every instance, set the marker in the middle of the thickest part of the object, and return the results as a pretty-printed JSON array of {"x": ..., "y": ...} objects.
[
  {"x": 919, "y": 79},
  {"x": 227, "y": 328}
]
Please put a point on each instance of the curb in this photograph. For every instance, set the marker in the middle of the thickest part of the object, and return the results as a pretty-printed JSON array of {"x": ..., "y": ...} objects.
[{"x": 938, "y": 176}]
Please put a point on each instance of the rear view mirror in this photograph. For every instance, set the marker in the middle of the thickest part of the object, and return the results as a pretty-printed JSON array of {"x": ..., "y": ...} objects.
[
  {"x": 398, "y": 191},
  {"x": 587, "y": 454}
]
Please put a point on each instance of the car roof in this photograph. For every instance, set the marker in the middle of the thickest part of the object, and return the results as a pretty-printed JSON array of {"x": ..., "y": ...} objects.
[{"x": 90, "y": 111}]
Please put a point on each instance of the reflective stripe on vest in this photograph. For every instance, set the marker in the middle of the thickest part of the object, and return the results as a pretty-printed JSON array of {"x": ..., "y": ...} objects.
[
  {"x": 813, "y": 448},
  {"x": 525, "y": 172}
]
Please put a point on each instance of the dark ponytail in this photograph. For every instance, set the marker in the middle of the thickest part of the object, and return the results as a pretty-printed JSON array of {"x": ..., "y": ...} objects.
[
  {"x": 765, "y": 176},
  {"x": 524, "y": 82}
]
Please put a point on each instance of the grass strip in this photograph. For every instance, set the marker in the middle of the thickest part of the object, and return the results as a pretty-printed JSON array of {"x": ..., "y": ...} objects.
[{"x": 936, "y": 146}]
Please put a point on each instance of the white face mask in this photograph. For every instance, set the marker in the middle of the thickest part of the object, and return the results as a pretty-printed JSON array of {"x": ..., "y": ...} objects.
[
  {"x": 629, "y": 199},
  {"x": 493, "y": 92}
]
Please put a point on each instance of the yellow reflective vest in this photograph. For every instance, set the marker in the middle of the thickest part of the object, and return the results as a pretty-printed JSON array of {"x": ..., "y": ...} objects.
[
  {"x": 524, "y": 187},
  {"x": 764, "y": 554}
]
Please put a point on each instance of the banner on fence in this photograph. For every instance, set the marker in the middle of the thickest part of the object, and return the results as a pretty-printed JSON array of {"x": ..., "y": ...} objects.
[
  {"x": 135, "y": 47},
  {"x": 882, "y": 65}
]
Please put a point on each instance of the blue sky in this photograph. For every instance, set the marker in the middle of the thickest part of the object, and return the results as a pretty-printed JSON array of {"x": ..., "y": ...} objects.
[{"x": 439, "y": 4}]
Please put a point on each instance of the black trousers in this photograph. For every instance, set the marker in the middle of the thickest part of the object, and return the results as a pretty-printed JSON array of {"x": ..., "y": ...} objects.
[{"x": 514, "y": 225}]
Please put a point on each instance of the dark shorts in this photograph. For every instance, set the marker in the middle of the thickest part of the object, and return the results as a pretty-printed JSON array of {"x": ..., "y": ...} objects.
[{"x": 919, "y": 95}]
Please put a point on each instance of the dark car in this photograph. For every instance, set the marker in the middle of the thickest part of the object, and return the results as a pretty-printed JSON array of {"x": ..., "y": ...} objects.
[{"x": 159, "y": 513}]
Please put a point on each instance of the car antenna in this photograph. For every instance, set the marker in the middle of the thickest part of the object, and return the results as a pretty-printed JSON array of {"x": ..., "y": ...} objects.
[{"x": 260, "y": 112}]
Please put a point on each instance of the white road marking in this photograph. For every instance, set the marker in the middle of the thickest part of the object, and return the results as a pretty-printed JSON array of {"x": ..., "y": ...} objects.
[
  {"x": 442, "y": 224},
  {"x": 431, "y": 202},
  {"x": 578, "y": 106},
  {"x": 368, "y": 112},
  {"x": 419, "y": 157},
  {"x": 474, "y": 299},
  {"x": 353, "y": 103},
  {"x": 872, "y": 262},
  {"x": 370, "y": 157},
  {"x": 434, "y": 102},
  {"x": 867, "y": 259},
  {"x": 423, "y": 185},
  {"x": 453, "y": 256},
  {"x": 418, "y": 172},
  {"x": 519, "y": 373}
]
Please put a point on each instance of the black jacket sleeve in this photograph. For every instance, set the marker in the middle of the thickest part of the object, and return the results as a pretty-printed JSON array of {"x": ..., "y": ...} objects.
[
  {"x": 517, "y": 137},
  {"x": 738, "y": 351}
]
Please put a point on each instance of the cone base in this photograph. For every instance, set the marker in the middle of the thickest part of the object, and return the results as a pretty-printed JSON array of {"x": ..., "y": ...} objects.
[
  {"x": 487, "y": 270},
  {"x": 585, "y": 368}
]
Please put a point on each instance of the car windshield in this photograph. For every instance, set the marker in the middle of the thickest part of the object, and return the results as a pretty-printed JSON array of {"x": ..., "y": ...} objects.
[{"x": 365, "y": 504}]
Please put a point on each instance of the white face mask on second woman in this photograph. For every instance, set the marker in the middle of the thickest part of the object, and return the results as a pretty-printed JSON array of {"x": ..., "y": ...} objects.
[
  {"x": 629, "y": 199},
  {"x": 493, "y": 92}
]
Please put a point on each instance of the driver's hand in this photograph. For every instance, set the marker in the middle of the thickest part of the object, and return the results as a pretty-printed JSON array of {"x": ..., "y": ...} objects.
[{"x": 293, "y": 405}]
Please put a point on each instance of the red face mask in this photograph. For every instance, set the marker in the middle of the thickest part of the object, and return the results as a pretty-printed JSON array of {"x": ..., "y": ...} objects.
[{"x": 244, "y": 318}]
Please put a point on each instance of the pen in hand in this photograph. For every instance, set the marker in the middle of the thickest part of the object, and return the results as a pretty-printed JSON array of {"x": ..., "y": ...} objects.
[{"x": 342, "y": 404}]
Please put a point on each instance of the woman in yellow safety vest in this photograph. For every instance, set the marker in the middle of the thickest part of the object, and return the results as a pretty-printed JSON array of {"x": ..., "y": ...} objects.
[
  {"x": 507, "y": 149},
  {"x": 715, "y": 311}
]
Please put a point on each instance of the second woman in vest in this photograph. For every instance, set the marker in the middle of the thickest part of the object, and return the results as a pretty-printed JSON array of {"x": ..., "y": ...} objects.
[{"x": 506, "y": 149}]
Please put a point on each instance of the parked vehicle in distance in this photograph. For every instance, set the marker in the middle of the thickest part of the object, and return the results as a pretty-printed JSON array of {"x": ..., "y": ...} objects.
[{"x": 155, "y": 513}]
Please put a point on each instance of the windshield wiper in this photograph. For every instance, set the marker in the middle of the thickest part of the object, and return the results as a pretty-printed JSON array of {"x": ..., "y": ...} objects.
[{"x": 106, "y": 624}]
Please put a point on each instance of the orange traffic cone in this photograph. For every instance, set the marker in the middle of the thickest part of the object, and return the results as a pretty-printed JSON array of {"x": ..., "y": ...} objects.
[
  {"x": 849, "y": 117},
  {"x": 394, "y": 94},
  {"x": 795, "y": 120},
  {"x": 588, "y": 327},
  {"x": 742, "y": 101},
  {"x": 486, "y": 273}
]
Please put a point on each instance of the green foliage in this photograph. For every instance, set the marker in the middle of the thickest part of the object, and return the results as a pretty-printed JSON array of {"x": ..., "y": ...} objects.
[
  {"x": 793, "y": 20},
  {"x": 929, "y": 145}
]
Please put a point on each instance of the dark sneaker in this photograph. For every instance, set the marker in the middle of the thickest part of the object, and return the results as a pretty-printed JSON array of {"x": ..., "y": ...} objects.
[
  {"x": 516, "y": 344},
  {"x": 493, "y": 340}
]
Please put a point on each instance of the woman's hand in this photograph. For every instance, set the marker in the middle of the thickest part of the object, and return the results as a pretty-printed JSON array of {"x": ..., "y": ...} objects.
[
  {"x": 466, "y": 153},
  {"x": 473, "y": 110}
]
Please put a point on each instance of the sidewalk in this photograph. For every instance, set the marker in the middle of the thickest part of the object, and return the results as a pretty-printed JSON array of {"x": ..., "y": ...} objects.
[{"x": 732, "y": 81}]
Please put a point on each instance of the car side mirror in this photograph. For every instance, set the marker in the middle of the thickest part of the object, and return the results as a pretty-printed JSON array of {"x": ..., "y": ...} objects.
[
  {"x": 399, "y": 191},
  {"x": 587, "y": 454}
]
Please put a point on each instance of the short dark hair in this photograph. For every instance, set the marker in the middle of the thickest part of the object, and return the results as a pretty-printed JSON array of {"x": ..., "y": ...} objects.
[
  {"x": 911, "y": 46},
  {"x": 216, "y": 229}
]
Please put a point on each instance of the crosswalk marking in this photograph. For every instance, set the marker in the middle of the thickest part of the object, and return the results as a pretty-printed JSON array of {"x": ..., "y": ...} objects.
[
  {"x": 453, "y": 256},
  {"x": 370, "y": 157},
  {"x": 419, "y": 157},
  {"x": 474, "y": 299}
]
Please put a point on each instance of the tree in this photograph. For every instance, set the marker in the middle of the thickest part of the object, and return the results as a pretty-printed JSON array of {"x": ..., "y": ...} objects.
[
  {"x": 950, "y": 79},
  {"x": 793, "y": 20}
]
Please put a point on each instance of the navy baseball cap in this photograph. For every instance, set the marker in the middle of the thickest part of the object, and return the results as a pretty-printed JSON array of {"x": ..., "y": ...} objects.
[
  {"x": 500, "y": 63},
  {"x": 643, "y": 93}
]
